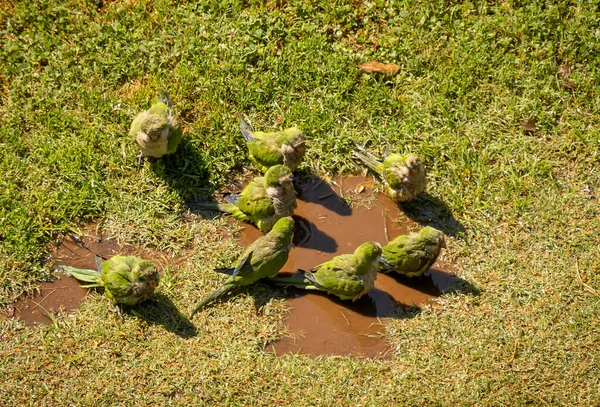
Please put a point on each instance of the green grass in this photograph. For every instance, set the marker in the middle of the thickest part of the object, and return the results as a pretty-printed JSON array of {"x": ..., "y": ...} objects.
[{"x": 75, "y": 73}]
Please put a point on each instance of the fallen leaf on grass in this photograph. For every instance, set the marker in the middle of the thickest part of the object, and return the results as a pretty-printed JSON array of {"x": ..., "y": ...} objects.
[
  {"x": 529, "y": 125},
  {"x": 379, "y": 67},
  {"x": 565, "y": 73}
]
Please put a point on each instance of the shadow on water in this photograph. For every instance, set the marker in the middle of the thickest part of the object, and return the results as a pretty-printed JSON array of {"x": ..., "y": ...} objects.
[
  {"x": 160, "y": 310},
  {"x": 314, "y": 190},
  {"x": 308, "y": 236},
  {"x": 184, "y": 171},
  {"x": 431, "y": 211}
]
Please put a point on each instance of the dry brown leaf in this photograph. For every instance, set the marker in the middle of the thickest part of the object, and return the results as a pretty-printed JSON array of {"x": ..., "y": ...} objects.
[
  {"x": 565, "y": 73},
  {"x": 529, "y": 125},
  {"x": 379, "y": 67}
]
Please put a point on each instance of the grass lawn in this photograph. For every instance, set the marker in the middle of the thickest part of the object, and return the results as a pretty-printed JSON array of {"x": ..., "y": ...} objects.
[{"x": 527, "y": 197}]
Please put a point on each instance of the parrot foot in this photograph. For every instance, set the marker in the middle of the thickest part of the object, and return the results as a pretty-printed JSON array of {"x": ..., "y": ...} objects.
[
  {"x": 117, "y": 310},
  {"x": 140, "y": 161}
]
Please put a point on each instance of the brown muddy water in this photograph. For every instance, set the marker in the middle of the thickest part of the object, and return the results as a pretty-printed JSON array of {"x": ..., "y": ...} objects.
[
  {"x": 62, "y": 296},
  {"x": 325, "y": 227}
]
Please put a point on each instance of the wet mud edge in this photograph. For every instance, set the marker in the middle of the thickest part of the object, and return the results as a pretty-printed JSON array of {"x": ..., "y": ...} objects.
[{"x": 62, "y": 296}]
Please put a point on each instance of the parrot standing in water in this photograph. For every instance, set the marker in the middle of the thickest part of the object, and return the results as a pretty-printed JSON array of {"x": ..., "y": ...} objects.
[
  {"x": 127, "y": 280},
  {"x": 262, "y": 259},
  {"x": 412, "y": 255},
  {"x": 404, "y": 175},
  {"x": 263, "y": 201},
  {"x": 285, "y": 147},
  {"x": 156, "y": 130},
  {"x": 347, "y": 276}
]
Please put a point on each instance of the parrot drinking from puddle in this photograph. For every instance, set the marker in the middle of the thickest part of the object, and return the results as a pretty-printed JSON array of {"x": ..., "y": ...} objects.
[
  {"x": 285, "y": 147},
  {"x": 403, "y": 175},
  {"x": 262, "y": 259},
  {"x": 127, "y": 280},
  {"x": 347, "y": 276},
  {"x": 263, "y": 201},
  {"x": 156, "y": 130},
  {"x": 412, "y": 255}
]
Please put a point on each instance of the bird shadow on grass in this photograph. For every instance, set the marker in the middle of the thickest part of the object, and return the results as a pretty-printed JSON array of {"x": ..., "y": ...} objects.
[
  {"x": 160, "y": 310},
  {"x": 435, "y": 282},
  {"x": 431, "y": 211},
  {"x": 313, "y": 189},
  {"x": 185, "y": 172}
]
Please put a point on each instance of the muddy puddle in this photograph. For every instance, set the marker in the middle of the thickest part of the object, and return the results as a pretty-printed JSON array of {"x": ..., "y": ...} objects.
[
  {"x": 62, "y": 296},
  {"x": 327, "y": 226}
]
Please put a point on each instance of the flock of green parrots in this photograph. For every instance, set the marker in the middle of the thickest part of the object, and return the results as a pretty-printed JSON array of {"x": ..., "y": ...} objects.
[{"x": 268, "y": 202}]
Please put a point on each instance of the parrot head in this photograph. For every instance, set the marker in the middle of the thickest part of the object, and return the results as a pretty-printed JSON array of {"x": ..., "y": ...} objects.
[
  {"x": 432, "y": 236},
  {"x": 285, "y": 226},
  {"x": 145, "y": 271},
  {"x": 413, "y": 163},
  {"x": 370, "y": 251},
  {"x": 296, "y": 139},
  {"x": 129, "y": 279},
  {"x": 279, "y": 175},
  {"x": 155, "y": 127}
]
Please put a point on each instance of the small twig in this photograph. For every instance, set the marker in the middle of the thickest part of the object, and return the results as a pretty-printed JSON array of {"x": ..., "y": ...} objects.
[
  {"x": 50, "y": 315},
  {"x": 584, "y": 285},
  {"x": 43, "y": 298},
  {"x": 514, "y": 354},
  {"x": 348, "y": 322},
  {"x": 385, "y": 229}
]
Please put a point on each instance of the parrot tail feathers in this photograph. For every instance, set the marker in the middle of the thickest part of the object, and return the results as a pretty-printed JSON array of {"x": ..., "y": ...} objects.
[
  {"x": 229, "y": 271},
  {"x": 245, "y": 128},
  {"x": 227, "y": 208},
  {"x": 224, "y": 289},
  {"x": 98, "y": 261},
  {"x": 369, "y": 159},
  {"x": 304, "y": 280},
  {"x": 85, "y": 275},
  {"x": 164, "y": 97},
  {"x": 232, "y": 198}
]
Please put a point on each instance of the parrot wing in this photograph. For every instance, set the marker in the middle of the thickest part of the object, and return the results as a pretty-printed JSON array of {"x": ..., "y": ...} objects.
[
  {"x": 245, "y": 128},
  {"x": 255, "y": 202},
  {"x": 337, "y": 276}
]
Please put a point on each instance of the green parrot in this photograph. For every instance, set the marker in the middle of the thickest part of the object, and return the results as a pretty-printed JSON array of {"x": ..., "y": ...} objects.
[
  {"x": 285, "y": 147},
  {"x": 127, "y": 280},
  {"x": 156, "y": 130},
  {"x": 263, "y": 201},
  {"x": 262, "y": 259},
  {"x": 347, "y": 276},
  {"x": 404, "y": 175},
  {"x": 412, "y": 255}
]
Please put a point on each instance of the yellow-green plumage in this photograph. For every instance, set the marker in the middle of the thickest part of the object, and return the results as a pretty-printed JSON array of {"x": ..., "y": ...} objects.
[
  {"x": 264, "y": 200},
  {"x": 285, "y": 147},
  {"x": 403, "y": 175},
  {"x": 262, "y": 259},
  {"x": 412, "y": 255},
  {"x": 156, "y": 130},
  {"x": 127, "y": 280},
  {"x": 347, "y": 276}
]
